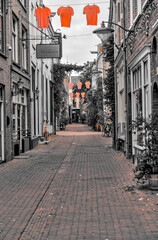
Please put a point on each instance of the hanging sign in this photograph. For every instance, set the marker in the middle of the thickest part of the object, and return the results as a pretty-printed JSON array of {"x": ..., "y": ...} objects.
[{"x": 48, "y": 51}]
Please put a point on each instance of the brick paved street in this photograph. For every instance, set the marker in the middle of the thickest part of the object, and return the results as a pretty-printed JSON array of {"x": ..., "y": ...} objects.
[{"x": 76, "y": 187}]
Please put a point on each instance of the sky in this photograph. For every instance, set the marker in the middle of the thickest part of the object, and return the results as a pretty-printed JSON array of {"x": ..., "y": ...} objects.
[{"x": 80, "y": 39}]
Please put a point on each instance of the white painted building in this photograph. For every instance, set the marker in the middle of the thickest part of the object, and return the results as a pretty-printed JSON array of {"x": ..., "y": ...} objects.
[{"x": 41, "y": 90}]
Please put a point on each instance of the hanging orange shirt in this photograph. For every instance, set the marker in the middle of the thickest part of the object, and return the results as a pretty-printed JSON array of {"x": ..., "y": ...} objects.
[
  {"x": 91, "y": 14},
  {"x": 65, "y": 15},
  {"x": 71, "y": 85},
  {"x": 87, "y": 84},
  {"x": 79, "y": 85},
  {"x": 77, "y": 94},
  {"x": 42, "y": 15},
  {"x": 83, "y": 94}
]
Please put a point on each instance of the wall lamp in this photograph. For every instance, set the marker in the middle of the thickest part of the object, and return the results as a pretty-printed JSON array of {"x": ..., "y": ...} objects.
[
  {"x": 36, "y": 92},
  {"x": 97, "y": 71},
  {"x": 17, "y": 87},
  {"x": 104, "y": 32}
]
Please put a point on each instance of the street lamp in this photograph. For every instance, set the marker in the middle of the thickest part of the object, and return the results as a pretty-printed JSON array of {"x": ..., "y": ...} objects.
[
  {"x": 18, "y": 86},
  {"x": 104, "y": 33}
]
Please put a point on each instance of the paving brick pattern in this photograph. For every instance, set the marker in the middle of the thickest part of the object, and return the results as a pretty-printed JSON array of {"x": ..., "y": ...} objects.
[{"x": 75, "y": 188}]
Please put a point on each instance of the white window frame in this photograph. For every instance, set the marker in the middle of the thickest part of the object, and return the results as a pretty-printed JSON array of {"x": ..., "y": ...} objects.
[
  {"x": 141, "y": 57},
  {"x": 139, "y": 10},
  {"x": 24, "y": 48},
  {"x": 15, "y": 39}
]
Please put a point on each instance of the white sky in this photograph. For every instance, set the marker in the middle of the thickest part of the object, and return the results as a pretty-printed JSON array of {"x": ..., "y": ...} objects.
[{"x": 76, "y": 49}]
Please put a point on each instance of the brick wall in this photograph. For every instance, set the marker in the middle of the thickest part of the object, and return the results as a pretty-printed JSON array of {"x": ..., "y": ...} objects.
[{"x": 5, "y": 81}]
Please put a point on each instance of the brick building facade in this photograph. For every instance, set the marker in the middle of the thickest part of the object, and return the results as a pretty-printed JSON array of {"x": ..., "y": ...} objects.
[
  {"x": 136, "y": 86},
  {"x": 20, "y": 76},
  {"x": 5, "y": 96}
]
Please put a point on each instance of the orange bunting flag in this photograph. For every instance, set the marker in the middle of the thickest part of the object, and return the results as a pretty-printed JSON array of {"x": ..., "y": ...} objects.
[
  {"x": 79, "y": 85},
  {"x": 42, "y": 15},
  {"x": 65, "y": 15},
  {"x": 77, "y": 94},
  {"x": 71, "y": 85},
  {"x": 87, "y": 84},
  {"x": 91, "y": 14},
  {"x": 83, "y": 94}
]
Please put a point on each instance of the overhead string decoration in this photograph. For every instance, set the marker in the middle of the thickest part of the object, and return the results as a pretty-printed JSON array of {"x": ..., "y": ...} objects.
[
  {"x": 65, "y": 14},
  {"x": 42, "y": 14},
  {"x": 91, "y": 12}
]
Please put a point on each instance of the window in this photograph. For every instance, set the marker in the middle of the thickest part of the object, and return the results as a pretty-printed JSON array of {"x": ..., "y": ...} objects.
[
  {"x": 135, "y": 9},
  {"x": 15, "y": 39},
  {"x": 1, "y": 93},
  {"x": 118, "y": 12},
  {"x": 24, "y": 48},
  {"x": 37, "y": 78},
  {"x": 2, "y": 26},
  {"x": 121, "y": 79},
  {"x": 137, "y": 79},
  {"x": 137, "y": 89},
  {"x": 47, "y": 98},
  {"x": 146, "y": 101},
  {"x": 146, "y": 72},
  {"x": 33, "y": 79}
]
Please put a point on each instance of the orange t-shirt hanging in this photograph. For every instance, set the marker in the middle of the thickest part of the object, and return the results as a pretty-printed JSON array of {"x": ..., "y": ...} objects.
[
  {"x": 87, "y": 84},
  {"x": 91, "y": 14},
  {"x": 79, "y": 85},
  {"x": 77, "y": 94},
  {"x": 83, "y": 94},
  {"x": 65, "y": 15},
  {"x": 42, "y": 15},
  {"x": 71, "y": 85}
]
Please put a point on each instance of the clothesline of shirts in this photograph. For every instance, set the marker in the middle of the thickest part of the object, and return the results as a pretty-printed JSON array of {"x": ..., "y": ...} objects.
[
  {"x": 65, "y": 13},
  {"x": 79, "y": 85}
]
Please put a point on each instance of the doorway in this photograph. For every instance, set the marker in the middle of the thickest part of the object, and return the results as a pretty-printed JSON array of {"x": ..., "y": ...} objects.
[{"x": 2, "y": 156}]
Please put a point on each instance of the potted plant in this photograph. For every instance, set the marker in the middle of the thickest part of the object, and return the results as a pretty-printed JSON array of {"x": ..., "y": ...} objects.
[{"x": 147, "y": 166}]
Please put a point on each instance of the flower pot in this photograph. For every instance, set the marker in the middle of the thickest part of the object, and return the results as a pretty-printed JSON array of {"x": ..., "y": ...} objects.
[{"x": 153, "y": 181}]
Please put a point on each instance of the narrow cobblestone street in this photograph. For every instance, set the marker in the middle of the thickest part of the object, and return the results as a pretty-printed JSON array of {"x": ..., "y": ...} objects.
[{"x": 76, "y": 187}]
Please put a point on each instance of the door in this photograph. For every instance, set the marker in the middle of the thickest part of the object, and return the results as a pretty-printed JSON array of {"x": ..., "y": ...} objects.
[
  {"x": 19, "y": 124},
  {"x": 2, "y": 157}
]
